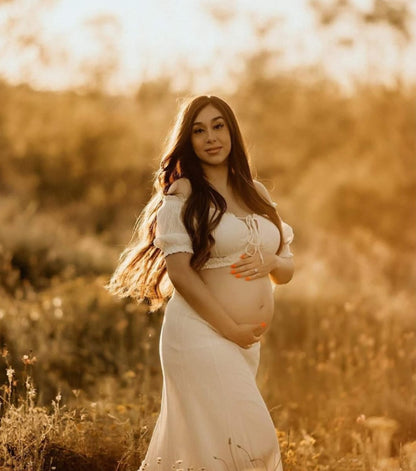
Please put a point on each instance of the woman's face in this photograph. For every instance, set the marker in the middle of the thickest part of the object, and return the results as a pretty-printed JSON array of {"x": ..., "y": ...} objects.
[{"x": 211, "y": 138}]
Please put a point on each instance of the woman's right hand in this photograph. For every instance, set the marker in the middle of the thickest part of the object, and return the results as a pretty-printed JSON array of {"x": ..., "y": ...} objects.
[{"x": 245, "y": 335}]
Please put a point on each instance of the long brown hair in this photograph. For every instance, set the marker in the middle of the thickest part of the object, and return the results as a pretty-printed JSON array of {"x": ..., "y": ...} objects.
[{"x": 141, "y": 272}]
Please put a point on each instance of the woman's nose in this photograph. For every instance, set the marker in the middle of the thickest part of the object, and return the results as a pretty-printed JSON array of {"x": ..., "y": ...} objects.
[{"x": 210, "y": 136}]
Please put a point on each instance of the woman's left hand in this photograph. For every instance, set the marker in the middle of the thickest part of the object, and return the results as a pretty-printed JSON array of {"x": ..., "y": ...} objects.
[{"x": 251, "y": 267}]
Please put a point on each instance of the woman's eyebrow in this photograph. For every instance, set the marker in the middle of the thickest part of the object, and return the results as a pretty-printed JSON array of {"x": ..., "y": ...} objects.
[{"x": 213, "y": 119}]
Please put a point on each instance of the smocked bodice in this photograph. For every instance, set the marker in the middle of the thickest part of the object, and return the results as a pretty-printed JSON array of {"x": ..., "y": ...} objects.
[
  {"x": 233, "y": 236},
  {"x": 236, "y": 235}
]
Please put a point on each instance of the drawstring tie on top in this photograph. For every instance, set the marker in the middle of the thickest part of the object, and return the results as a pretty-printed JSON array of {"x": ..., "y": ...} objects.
[{"x": 254, "y": 236}]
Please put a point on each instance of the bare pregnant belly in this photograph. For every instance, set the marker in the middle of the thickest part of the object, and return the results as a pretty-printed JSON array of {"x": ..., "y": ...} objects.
[{"x": 245, "y": 301}]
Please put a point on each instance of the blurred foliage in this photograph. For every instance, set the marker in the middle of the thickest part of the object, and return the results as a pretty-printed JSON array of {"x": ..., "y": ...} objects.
[
  {"x": 75, "y": 171},
  {"x": 395, "y": 14}
]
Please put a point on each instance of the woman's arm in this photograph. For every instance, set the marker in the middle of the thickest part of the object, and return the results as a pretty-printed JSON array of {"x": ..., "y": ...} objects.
[
  {"x": 279, "y": 269},
  {"x": 191, "y": 287},
  {"x": 284, "y": 270},
  {"x": 283, "y": 266}
]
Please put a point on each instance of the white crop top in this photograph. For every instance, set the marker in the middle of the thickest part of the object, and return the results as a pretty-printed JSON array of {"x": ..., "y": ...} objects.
[{"x": 233, "y": 236}]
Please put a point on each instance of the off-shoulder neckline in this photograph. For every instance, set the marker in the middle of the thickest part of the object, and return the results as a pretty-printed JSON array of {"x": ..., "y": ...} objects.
[{"x": 226, "y": 212}]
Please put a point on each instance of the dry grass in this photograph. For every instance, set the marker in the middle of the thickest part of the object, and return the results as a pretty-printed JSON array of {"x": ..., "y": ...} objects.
[{"x": 338, "y": 363}]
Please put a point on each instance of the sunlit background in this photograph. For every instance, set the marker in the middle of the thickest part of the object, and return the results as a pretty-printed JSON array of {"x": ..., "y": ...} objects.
[
  {"x": 57, "y": 44},
  {"x": 325, "y": 94}
]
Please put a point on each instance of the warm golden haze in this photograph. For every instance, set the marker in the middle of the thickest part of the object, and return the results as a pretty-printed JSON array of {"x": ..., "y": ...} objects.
[
  {"x": 80, "y": 377},
  {"x": 75, "y": 172}
]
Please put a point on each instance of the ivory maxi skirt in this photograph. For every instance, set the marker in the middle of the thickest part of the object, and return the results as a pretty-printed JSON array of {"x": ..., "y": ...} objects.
[{"x": 212, "y": 415}]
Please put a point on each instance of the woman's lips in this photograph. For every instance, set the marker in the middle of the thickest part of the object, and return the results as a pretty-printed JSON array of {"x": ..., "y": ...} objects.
[{"x": 213, "y": 150}]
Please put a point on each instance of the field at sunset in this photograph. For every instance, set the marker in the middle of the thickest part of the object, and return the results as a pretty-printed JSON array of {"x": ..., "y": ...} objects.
[
  {"x": 75, "y": 173},
  {"x": 80, "y": 373}
]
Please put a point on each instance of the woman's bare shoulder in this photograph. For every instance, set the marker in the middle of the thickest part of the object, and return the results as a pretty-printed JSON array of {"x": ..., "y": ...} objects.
[
  {"x": 181, "y": 186},
  {"x": 262, "y": 190}
]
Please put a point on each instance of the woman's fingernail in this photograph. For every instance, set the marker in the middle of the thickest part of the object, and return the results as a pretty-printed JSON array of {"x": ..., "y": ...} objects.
[
  {"x": 233, "y": 271},
  {"x": 238, "y": 275},
  {"x": 242, "y": 256},
  {"x": 233, "y": 265},
  {"x": 247, "y": 278},
  {"x": 263, "y": 324}
]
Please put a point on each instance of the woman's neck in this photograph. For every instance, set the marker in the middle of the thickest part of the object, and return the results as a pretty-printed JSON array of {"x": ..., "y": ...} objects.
[{"x": 218, "y": 177}]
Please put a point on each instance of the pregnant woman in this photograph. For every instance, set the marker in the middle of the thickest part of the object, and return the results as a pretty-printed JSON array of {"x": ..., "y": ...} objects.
[{"x": 211, "y": 241}]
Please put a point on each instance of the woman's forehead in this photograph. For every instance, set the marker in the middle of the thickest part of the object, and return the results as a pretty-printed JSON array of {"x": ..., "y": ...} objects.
[{"x": 208, "y": 114}]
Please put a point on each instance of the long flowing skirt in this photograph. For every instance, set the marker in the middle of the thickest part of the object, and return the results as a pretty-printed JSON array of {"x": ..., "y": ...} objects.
[{"x": 212, "y": 414}]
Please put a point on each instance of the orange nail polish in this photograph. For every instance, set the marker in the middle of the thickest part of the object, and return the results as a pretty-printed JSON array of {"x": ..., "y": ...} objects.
[
  {"x": 238, "y": 275},
  {"x": 263, "y": 324},
  {"x": 247, "y": 278},
  {"x": 242, "y": 256},
  {"x": 233, "y": 265},
  {"x": 233, "y": 271}
]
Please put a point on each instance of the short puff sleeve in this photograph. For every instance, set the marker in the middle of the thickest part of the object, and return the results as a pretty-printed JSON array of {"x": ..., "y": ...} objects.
[
  {"x": 171, "y": 235},
  {"x": 288, "y": 236}
]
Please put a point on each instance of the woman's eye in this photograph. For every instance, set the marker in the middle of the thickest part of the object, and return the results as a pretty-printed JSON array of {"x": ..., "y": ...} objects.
[
  {"x": 219, "y": 126},
  {"x": 198, "y": 130}
]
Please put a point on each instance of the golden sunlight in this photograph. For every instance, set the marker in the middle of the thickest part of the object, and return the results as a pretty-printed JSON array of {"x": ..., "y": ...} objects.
[{"x": 58, "y": 44}]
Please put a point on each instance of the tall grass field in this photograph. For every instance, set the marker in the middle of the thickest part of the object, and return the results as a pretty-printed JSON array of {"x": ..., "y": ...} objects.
[{"x": 79, "y": 369}]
